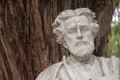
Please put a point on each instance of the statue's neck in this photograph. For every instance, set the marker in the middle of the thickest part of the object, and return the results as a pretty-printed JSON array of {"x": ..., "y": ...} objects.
[{"x": 85, "y": 61}]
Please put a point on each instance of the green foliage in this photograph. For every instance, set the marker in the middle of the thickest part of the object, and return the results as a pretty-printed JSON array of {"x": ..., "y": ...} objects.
[
  {"x": 113, "y": 46},
  {"x": 116, "y": 3}
]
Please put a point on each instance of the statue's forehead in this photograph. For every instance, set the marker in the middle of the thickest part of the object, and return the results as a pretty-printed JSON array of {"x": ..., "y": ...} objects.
[{"x": 77, "y": 19}]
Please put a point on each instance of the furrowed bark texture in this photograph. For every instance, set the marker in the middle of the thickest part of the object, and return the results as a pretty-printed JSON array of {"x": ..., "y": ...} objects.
[{"x": 27, "y": 44}]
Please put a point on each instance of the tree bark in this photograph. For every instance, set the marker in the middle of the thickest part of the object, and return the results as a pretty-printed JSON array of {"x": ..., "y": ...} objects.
[{"x": 27, "y": 44}]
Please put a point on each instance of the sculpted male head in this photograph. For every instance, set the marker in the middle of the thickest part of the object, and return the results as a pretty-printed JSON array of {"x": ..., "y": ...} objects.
[{"x": 76, "y": 31}]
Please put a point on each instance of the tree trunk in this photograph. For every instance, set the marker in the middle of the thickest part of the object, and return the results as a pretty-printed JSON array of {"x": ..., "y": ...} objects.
[{"x": 27, "y": 44}]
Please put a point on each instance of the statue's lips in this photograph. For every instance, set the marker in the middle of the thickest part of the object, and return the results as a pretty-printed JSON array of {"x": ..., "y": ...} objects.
[{"x": 82, "y": 43}]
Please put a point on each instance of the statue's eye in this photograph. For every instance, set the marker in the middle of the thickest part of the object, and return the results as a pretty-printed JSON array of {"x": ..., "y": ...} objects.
[
  {"x": 72, "y": 30},
  {"x": 84, "y": 28}
]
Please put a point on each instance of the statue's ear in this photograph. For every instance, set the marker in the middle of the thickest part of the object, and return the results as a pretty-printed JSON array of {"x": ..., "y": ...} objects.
[
  {"x": 95, "y": 28},
  {"x": 65, "y": 44}
]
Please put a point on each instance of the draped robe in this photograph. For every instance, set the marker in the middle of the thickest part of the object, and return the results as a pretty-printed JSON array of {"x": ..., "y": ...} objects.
[{"x": 102, "y": 69}]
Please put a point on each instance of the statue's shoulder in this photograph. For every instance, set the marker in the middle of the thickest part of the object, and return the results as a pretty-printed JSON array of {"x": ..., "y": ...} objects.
[
  {"x": 50, "y": 72},
  {"x": 115, "y": 62},
  {"x": 112, "y": 63},
  {"x": 111, "y": 59}
]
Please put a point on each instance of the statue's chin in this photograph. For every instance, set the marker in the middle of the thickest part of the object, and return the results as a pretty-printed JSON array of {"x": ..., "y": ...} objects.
[{"x": 82, "y": 53}]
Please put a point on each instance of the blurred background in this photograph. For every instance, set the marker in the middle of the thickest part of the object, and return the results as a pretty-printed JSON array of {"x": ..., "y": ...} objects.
[{"x": 113, "y": 46}]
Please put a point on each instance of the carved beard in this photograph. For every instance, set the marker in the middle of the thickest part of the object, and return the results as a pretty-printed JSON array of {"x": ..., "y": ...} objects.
[{"x": 83, "y": 49}]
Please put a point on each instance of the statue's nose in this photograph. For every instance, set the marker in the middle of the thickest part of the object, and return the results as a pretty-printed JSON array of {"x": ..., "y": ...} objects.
[{"x": 80, "y": 36}]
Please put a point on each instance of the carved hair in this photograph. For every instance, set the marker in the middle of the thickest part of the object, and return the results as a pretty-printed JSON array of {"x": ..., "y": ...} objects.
[{"x": 58, "y": 26}]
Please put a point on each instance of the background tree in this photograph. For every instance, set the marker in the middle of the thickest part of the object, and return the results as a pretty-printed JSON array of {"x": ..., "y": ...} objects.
[
  {"x": 113, "y": 47},
  {"x": 27, "y": 44}
]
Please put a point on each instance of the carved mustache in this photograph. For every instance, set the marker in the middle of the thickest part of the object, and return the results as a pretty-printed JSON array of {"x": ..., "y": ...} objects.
[{"x": 82, "y": 42}]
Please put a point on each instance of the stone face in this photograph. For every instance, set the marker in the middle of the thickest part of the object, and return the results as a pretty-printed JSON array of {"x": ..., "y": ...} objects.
[
  {"x": 76, "y": 31},
  {"x": 78, "y": 36}
]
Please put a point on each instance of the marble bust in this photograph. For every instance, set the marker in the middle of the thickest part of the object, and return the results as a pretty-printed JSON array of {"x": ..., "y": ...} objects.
[{"x": 76, "y": 30}]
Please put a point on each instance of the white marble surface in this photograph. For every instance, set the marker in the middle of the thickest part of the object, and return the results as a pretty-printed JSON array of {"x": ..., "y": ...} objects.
[
  {"x": 76, "y": 30},
  {"x": 102, "y": 69}
]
